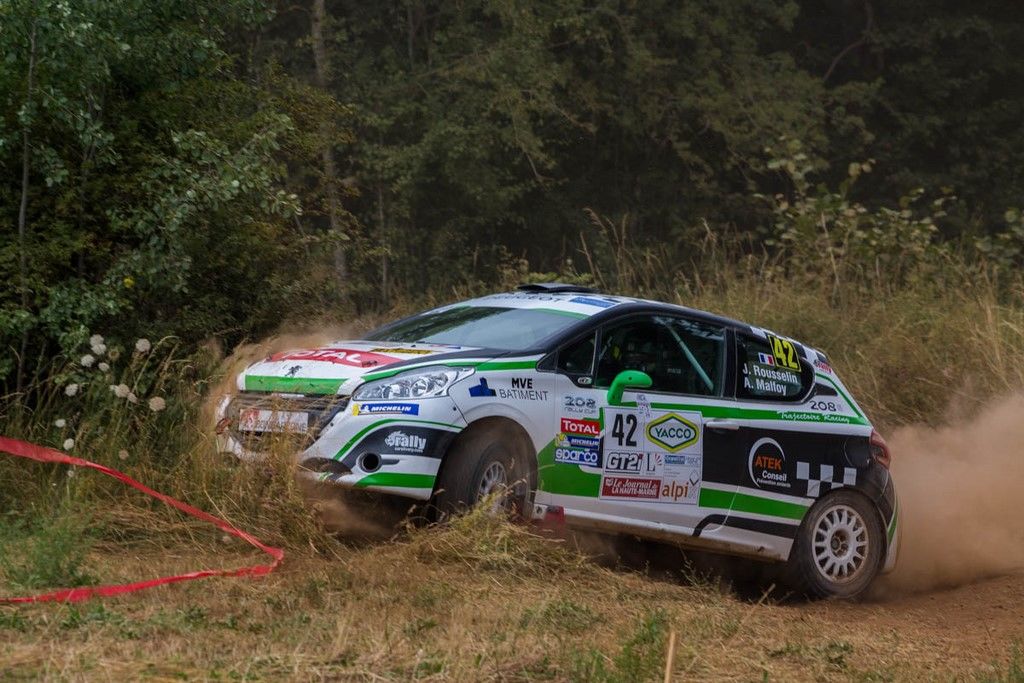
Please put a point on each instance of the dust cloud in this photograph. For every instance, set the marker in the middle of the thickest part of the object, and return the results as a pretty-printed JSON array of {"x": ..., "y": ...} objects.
[{"x": 961, "y": 491}]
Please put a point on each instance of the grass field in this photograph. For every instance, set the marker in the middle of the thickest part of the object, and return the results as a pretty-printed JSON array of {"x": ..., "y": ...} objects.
[{"x": 478, "y": 601}]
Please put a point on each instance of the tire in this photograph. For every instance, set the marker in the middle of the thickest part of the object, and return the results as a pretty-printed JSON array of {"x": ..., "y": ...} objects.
[
  {"x": 839, "y": 548},
  {"x": 486, "y": 460}
]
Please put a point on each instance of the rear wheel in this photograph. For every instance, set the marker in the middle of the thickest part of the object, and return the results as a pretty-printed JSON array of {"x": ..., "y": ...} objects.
[
  {"x": 485, "y": 464},
  {"x": 839, "y": 547}
]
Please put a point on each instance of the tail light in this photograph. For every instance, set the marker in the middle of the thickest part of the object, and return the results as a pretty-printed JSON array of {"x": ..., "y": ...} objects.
[{"x": 880, "y": 450}]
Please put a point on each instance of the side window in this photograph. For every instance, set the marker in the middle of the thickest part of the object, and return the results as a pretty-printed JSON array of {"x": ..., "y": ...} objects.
[
  {"x": 770, "y": 369},
  {"x": 681, "y": 356},
  {"x": 578, "y": 357}
]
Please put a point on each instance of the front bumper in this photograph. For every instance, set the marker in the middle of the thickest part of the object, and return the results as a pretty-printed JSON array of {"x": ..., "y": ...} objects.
[{"x": 391, "y": 447}]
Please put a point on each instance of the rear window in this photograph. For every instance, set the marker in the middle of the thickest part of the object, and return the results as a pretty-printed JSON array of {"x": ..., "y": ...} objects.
[
  {"x": 771, "y": 369},
  {"x": 491, "y": 327}
]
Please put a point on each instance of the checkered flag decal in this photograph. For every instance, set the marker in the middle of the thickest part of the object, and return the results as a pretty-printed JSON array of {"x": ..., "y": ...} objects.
[{"x": 828, "y": 478}]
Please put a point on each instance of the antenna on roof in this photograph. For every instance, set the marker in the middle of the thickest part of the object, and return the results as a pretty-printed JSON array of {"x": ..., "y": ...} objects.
[{"x": 555, "y": 288}]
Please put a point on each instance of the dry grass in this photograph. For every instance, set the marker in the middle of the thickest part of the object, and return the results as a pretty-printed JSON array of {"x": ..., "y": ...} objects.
[{"x": 441, "y": 604}]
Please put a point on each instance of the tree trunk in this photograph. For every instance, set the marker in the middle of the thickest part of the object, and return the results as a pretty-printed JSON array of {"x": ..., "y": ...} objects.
[
  {"x": 323, "y": 78},
  {"x": 23, "y": 207}
]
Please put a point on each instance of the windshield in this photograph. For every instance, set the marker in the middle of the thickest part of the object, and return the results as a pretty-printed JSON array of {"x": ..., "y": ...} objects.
[{"x": 508, "y": 329}]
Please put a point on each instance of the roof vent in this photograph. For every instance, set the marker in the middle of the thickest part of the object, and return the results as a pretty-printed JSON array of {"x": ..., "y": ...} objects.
[{"x": 555, "y": 288}]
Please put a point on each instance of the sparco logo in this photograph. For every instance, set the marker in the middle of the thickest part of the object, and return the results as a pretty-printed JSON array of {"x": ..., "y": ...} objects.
[
  {"x": 407, "y": 443},
  {"x": 767, "y": 464},
  {"x": 672, "y": 432}
]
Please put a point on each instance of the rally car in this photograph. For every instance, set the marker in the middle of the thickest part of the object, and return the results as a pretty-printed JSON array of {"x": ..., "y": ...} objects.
[{"x": 604, "y": 412}]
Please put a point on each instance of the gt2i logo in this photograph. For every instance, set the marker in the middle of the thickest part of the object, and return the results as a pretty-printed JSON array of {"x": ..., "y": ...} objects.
[
  {"x": 580, "y": 405},
  {"x": 673, "y": 432},
  {"x": 634, "y": 463},
  {"x": 584, "y": 427},
  {"x": 784, "y": 352},
  {"x": 767, "y": 464}
]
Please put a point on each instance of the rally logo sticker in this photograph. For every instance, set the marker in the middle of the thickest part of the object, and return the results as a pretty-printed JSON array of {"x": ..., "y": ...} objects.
[
  {"x": 767, "y": 464},
  {"x": 401, "y": 442},
  {"x": 673, "y": 432}
]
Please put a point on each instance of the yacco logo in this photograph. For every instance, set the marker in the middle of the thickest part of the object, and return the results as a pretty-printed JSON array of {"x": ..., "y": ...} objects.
[
  {"x": 584, "y": 427},
  {"x": 673, "y": 432},
  {"x": 405, "y": 442},
  {"x": 767, "y": 464},
  {"x": 481, "y": 390},
  {"x": 385, "y": 408}
]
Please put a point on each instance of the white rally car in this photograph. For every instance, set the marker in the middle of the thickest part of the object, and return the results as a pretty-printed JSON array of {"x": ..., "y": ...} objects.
[{"x": 606, "y": 412}]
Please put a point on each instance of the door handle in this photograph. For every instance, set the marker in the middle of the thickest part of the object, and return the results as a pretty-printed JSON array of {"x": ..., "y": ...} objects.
[{"x": 729, "y": 425}]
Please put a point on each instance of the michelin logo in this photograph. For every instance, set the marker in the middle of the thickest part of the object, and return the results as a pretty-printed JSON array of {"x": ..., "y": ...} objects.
[{"x": 386, "y": 409}]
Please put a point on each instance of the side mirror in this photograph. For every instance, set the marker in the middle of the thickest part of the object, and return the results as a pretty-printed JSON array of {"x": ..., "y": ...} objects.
[{"x": 627, "y": 379}]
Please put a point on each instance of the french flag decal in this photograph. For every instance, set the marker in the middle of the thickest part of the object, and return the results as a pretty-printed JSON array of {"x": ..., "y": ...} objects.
[{"x": 766, "y": 359}]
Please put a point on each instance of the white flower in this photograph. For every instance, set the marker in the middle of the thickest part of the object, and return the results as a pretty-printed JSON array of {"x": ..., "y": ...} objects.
[
  {"x": 156, "y": 404},
  {"x": 87, "y": 361},
  {"x": 123, "y": 454},
  {"x": 60, "y": 423},
  {"x": 120, "y": 390},
  {"x": 104, "y": 367},
  {"x": 114, "y": 354},
  {"x": 96, "y": 340},
  {"x": 132, "y": 398},
  {"x": 99, "y": 349},
  {"x": 71, "y": 472},
  {"x": 143, "y": 345},
  {"x": 71, "y": 390},
  {"x": 69, "y": 444}
]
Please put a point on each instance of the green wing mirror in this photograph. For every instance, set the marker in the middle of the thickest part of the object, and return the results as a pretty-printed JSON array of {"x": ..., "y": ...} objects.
[{"x": 627, "y": 379}]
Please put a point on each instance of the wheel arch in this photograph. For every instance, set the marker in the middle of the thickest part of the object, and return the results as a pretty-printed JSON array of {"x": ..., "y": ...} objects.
[{"x": 509, "y": 428}]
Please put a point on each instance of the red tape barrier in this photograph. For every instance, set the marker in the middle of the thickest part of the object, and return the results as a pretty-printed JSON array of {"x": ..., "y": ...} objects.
[{"x": 24, "y": 449}]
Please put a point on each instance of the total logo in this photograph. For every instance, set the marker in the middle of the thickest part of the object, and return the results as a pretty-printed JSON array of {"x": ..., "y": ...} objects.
[
  {"x": 673, "y": 432},
  {"x": 767, "y": 464},
  {"x": 584, "y": 427}
]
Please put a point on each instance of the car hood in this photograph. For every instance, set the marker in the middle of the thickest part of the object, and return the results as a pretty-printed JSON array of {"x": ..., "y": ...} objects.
[{"x": 338, "y": 367}]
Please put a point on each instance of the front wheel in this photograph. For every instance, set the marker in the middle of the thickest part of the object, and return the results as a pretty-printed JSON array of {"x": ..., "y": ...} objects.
[
  {"x": 839, "y": 547},
  {"x": 484, "y": 465}
]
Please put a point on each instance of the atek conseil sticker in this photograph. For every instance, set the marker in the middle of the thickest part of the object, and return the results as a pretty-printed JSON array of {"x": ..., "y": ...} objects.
[{"x": 767, "y": 464}]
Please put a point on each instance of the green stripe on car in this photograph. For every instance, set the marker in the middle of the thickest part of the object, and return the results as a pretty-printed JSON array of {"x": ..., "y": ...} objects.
[
  {"x": 397, "y": 479},
  {"x": 746, "y": 502},
  {"x": 292, "y": 385}
]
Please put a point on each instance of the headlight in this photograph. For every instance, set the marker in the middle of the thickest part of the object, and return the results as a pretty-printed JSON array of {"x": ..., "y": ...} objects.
[{"x": 419, "y": 383}]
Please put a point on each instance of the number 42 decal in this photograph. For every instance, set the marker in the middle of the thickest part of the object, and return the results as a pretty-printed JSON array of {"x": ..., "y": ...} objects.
[{"x": 784, "y": 352}]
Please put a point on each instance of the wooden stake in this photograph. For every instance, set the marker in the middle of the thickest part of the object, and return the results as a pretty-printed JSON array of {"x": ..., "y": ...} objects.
[{"x": 670, "y": 656}]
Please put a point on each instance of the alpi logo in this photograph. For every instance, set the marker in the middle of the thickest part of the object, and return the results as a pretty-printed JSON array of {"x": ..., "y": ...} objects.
[
  {"x": 405, "y": 442},
  {"x": 673, "y": 432}
]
